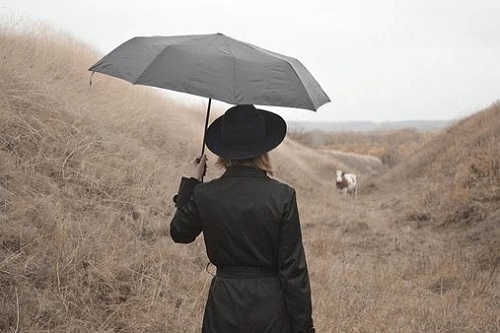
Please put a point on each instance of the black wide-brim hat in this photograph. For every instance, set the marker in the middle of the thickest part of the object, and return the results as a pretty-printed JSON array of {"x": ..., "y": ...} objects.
[{"x": 244, "y": 132}]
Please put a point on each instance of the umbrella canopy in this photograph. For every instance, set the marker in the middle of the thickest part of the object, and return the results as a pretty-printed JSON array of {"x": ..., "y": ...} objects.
[{"x": 217, "y": 67}]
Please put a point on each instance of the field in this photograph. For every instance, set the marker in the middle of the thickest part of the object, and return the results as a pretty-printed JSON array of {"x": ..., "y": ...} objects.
[{"x": 87, "y": 176}]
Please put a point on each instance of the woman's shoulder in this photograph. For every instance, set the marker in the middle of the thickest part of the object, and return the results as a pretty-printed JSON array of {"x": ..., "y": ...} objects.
[
  {"x": 283, "y": 185},
  {"x": 271, "y": 181}
]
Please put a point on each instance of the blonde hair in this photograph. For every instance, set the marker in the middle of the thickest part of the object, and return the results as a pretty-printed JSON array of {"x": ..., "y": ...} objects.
[{"x": 262, "y": 162}]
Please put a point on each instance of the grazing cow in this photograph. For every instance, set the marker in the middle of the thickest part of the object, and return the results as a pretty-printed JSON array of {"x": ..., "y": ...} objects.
[{"x": 347, "y": 183}]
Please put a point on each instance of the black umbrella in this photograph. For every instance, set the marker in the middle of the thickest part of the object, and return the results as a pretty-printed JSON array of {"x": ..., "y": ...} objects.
[{"x": 217, "y": 67}]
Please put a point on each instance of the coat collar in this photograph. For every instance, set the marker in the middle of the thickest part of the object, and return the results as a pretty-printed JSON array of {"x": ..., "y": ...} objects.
[{"x": 244, "y": 171}]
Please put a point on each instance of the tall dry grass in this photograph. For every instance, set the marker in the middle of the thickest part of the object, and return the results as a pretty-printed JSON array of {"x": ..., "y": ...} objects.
[
  {"x": 390, "y": 146},
  {"x": 86, "y": 180}
]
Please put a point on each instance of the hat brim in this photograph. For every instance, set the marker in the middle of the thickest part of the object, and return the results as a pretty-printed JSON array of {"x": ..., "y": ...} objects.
[{"x": 276, "y": 132}]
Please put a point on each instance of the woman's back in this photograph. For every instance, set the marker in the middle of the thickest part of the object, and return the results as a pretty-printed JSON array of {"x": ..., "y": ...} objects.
[{"x": 242, "y": 212}]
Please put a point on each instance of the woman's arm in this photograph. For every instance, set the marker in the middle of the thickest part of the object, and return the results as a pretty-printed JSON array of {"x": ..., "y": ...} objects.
[
  {"x": 186, "y": 223},
  {"x": 293, "y": 270}
]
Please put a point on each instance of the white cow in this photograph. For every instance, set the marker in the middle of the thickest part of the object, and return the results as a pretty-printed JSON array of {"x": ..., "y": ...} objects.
[{"x": 347, "y": 183}]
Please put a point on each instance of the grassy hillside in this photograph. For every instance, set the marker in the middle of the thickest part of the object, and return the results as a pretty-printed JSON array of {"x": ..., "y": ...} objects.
[
  {"x": 456, "y": 181},
  {"x": 390, "y": 146},
  {"x": 460, "y": 168},
  {"x": 86, "y": 180}
]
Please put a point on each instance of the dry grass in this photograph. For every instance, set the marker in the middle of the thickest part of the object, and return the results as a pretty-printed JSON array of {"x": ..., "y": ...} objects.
[
  {"x": 390, "y": 146},
  {"x": 86, "y": 181}
]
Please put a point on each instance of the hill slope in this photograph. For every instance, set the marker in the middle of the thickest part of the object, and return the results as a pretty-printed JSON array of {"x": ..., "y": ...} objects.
[{"x": 457, "y": 175}]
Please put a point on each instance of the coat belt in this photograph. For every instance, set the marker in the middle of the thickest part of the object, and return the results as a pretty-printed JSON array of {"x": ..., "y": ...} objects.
[{"x": 246, "y": 271}]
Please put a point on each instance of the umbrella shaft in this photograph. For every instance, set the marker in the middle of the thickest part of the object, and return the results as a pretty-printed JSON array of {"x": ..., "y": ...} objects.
[
  {"x": 206, "y": 126},
  {"x": 204, "y": 136}
]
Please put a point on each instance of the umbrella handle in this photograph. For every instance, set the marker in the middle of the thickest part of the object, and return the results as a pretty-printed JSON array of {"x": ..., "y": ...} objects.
[{"x": 204, "y": 137}]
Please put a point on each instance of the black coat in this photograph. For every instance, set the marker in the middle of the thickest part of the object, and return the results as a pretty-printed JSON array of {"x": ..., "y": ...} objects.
[{"x": 251, "y": 228}]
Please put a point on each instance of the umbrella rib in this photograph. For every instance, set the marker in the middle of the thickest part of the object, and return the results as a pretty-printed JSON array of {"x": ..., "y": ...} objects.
[
  {"x": 163, "y": 50},
  {"x": 283, "y": 58},
  {"x": 301, "y": 83},
  {"x": 234, "y": 69},
  {"x": 150, "y": 63}
]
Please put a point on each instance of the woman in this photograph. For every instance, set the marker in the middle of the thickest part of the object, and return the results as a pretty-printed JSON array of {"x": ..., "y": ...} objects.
[{"x": 251, "y": 228}]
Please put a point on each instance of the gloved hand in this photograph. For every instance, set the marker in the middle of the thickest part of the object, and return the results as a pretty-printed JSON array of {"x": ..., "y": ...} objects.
[{"x": 198, "y": 168}]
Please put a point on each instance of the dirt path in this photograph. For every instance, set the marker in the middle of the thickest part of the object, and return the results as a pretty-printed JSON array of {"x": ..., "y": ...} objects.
[{"x": 366, "y": 230}]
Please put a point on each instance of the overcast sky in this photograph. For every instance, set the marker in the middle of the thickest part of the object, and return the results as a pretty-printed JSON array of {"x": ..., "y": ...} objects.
[{"x": 378, "y": 60}]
